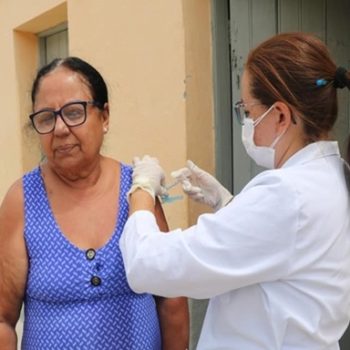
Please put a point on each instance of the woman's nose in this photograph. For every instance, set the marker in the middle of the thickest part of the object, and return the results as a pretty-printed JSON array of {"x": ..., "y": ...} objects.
[{"x": 60, "y": 126}]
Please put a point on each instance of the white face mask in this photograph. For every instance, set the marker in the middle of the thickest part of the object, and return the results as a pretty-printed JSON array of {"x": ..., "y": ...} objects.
[{"x": 262, "y": 155}]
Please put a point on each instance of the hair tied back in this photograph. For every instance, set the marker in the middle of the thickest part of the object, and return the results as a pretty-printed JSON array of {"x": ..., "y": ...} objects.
[{"x": 340, "y": 78}]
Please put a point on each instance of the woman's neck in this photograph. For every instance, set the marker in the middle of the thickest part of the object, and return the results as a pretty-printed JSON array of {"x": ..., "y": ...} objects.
[
  {"x": 79, "y": 178},
  {"x": 293, "y": 142}
]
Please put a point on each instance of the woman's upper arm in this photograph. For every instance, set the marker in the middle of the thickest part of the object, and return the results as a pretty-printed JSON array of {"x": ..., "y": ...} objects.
[
  {"x": 160, "y": 217},
  {"x": 13, "y": 255},
  {"x": 173, "y": 312}
]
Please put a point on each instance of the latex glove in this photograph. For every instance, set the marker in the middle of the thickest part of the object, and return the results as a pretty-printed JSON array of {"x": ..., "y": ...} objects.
[
  {"x": 147, "y": 175},
  {"x": 202, "y": 187}
]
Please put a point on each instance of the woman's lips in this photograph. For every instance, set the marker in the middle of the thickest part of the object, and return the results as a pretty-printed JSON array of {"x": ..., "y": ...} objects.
[{"x": 64, "y": 149}]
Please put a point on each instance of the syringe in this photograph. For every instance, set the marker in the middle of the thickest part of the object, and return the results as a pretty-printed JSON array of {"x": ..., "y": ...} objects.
[{"x": 170, "y": 199}]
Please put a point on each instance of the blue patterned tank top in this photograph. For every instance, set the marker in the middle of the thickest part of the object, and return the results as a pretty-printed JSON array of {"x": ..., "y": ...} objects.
[{"x": 78, "y": 299}]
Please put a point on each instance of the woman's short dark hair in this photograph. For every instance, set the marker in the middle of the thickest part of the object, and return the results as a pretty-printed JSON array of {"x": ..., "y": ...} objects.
[{"x": 93, "y": 78}]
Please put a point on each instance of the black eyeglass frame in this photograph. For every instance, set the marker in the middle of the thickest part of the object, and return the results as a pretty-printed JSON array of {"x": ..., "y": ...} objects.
[{"x": 58, "y": 112}]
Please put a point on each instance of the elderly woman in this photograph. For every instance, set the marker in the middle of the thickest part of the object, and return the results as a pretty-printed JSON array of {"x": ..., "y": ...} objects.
[{"x": 60, "y": 227}]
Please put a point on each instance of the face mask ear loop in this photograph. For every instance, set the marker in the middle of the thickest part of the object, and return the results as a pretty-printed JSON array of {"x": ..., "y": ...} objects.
[
  {"x": 257, "y": 121},
  {"x": 274, "y": 143}
]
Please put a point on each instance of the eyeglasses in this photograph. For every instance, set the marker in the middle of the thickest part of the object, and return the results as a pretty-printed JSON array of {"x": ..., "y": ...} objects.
[
  {"x": 241, "y": 112},
  {"x": 72, "y": 114}
]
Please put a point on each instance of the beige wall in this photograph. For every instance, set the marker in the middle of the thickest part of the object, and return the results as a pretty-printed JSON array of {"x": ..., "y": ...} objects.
[
  {"x": 156, "y": 58},
  {"x": 199, "y": 90}
]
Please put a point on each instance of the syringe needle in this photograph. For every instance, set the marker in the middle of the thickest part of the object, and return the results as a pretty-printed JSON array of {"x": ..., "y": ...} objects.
[{"x": 173, "y": 184}]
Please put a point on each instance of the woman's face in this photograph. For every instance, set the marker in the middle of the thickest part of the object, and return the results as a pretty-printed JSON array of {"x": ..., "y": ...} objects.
[
  {"x": 276, "y": 125},
  {"x": 265, "y": 131},
  {"x": 66, "y": 147}
]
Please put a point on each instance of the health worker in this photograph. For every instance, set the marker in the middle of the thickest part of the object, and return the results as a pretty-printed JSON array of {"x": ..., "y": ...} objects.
[{"x": 275, "y": 260}]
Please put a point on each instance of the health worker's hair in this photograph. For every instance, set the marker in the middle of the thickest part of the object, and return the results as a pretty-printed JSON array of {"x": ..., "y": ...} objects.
[{"x": 297, "y": 69}]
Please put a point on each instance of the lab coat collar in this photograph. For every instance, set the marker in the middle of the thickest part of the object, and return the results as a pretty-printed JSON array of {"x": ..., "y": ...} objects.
[{"x": 312, "y": 151}]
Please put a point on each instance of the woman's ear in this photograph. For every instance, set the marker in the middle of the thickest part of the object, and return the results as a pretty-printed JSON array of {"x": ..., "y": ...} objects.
[
  {"x": 284, "y": 114},
  {"x": 105, "y": 117}
]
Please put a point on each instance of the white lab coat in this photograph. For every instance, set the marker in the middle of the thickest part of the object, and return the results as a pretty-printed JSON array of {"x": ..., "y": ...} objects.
[{"x": 275, "y": 262}]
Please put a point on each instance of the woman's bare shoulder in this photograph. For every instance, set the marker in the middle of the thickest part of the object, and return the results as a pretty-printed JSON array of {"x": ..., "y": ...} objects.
[
  {"x": 12, "y": 206},
  {"x": 14, "y": 259}
]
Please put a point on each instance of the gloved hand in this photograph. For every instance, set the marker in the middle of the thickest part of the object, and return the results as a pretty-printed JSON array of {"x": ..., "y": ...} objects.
[
  {"x": 202, "y": 187},
  {"x": 147, "y": 175}
]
